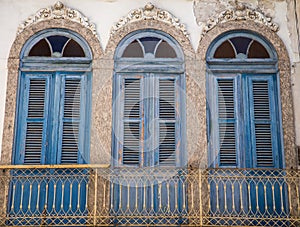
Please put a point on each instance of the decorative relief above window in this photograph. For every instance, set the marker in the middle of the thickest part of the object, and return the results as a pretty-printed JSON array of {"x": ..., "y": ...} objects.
[
  {"x": 241, "y": 12},
  {"x": 58, "y": 11},
  {"x": 150, "y": 12}
]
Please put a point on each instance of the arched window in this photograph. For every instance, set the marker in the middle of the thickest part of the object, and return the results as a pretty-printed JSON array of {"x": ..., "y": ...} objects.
[
  {"x": 241, "y": 47},
  {"x": 148, "y": 119},
  {"x": 56, "y": 46},
  {"x": 53, "y": 105},
  {"x": 244, "y": 125}
]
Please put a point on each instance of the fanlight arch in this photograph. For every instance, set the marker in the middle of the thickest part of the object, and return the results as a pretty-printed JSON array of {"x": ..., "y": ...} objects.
[
  {"x": 241, "y": 44},
  {"x": 148, "y": 44},
  {"x": 56, "y": 43}
]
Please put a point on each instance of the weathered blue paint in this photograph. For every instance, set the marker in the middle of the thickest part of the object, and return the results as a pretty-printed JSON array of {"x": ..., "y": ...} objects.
[
  {"x": 57, "y": 74},
  {"x": 150, "y": 72},
  {"x": 245, "y": 74}
]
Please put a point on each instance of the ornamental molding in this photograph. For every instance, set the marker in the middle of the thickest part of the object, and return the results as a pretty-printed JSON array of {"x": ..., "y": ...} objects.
[
  {"x": 241, "y": 12},
  {"x": 58, "y": 11},
  {"x": 150, "y": 12}
]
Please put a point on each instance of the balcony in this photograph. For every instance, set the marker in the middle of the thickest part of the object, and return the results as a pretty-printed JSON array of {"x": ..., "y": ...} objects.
[{"x": 96, "y": 195}]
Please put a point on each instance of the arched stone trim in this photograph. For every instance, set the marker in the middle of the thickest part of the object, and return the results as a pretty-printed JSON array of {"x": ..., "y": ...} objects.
[
  {"x": 150, "y": 12},
  {"x": 103, "y": 100},
  {"x": 239, "y": 13},
  {"x": 149, "y": 17},
  {"x": 13, "y": 71},
  {"x": 177, "y": 34},
  {"x": 284, "y": 72},
  {"x": 86, "y": 33},
  {"x": 58, "y": 11}
]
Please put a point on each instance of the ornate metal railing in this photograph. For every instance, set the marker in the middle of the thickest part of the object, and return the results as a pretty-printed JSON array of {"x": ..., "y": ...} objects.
[{"x": 95, "y": 195}]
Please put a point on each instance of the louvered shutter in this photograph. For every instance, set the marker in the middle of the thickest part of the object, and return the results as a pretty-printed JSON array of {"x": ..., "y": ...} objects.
[
  {"x": 167, "y": 122},
  {"x": 71, "y": 118},
  {"x": 261, "y": 101},
  {"x": 132, "y": 120},
  {"x": 227, "y": 121},
  {"x": 34, "y": 118}
]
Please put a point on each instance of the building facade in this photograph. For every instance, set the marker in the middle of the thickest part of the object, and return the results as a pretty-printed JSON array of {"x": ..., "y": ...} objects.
[{"x": 143, "y": 114}]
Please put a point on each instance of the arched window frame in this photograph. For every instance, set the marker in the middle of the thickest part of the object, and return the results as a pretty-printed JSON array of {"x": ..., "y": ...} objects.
[
  {"x": 146, "y": 63},
  {"x": 236, "y": 64},
  {"x": 162, "y": 67},
  {"x": 240, "y": 69},
  {"x": 55, "y": 71},
  {"x": 55, "y": 63}
]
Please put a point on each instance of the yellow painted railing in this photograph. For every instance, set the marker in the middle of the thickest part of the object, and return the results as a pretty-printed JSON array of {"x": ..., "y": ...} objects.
[{"x": 97, "y": 195}]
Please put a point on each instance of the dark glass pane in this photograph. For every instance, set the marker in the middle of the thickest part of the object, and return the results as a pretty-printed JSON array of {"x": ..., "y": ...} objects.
[
  {"x": 149, "y": 44},
  {"x": 57, "y": 42},
  {"x": 257, "y": 50},
  {"x": 73, "y": 49},
  {"x": 225, "y": 50},
  {"x": 133, "y": 50},
  {"x": 164, "y": 50},
  {"x": 41, "y": 49},
  {"x": 241, "y": 44}
]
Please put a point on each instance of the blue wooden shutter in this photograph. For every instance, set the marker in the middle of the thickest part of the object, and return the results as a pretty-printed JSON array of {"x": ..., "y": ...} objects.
[
  {"x": 72, "y": 114},
  {"x": 262, "y": 119},
  {"x": 167, "y": 122},
  {"x": 227, "y": 121},
  {"x": 132, "y": 120},
  {"x": 34, "y": 116}
]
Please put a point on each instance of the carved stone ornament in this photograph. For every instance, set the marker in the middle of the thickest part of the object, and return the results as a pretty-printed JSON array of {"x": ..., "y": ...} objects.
[
  {"x": 149, "y": 12},
  {"x": 58, "y": 11},
  {"x": 239, "y": 13}
]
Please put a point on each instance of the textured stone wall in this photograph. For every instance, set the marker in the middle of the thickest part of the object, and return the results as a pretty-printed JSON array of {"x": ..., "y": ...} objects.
[
  {"x": 103, "y": 65},
  {"x": 293, "y": 18}
]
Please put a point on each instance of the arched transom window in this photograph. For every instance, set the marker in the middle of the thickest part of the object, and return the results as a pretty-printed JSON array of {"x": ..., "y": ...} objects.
[{"x": 149, "y": 46}]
